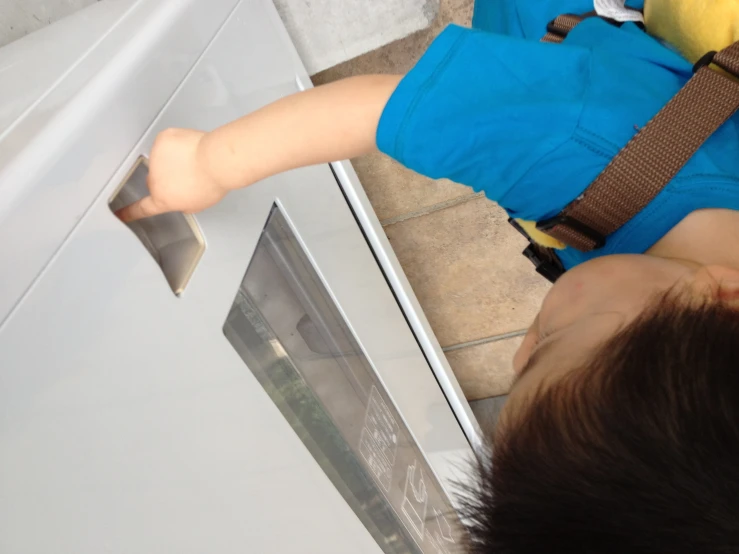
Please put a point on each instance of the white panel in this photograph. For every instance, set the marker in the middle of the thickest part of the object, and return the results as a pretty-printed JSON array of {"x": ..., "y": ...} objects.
[
  {"x": 21, "y": 17},
  {"x": 31, "y": 66},
  {"x": 127, "y": 421},
  {"x": 57, "y": 157}
]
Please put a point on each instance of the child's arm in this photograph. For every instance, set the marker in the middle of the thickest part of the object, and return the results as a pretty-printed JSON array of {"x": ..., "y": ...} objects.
[{"x": 190, "y": 170}]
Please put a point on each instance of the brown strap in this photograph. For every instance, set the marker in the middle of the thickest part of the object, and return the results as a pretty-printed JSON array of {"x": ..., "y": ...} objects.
[
  {"x": 545, "y": 259},
  {"x": 558, "y": 29},
  {"x": 639, "y": 172}
]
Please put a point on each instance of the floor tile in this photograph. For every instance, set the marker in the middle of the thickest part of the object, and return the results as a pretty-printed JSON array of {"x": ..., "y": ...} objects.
[
  {"x": 486, "y": 370},
  {"x": 394, "y": 190},
  {"x": 465, "y": 266}
]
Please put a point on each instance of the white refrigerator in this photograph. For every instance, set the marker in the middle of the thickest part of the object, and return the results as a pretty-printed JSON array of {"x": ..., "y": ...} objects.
[{"x": 255, "y": 378}]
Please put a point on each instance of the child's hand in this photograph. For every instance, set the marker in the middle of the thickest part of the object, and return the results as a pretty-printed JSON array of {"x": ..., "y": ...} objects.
[
  {"x": 190, "y": 171},
  {"x": 179, "y": 177}
]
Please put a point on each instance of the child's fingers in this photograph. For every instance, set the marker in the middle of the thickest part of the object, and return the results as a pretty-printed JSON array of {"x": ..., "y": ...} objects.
[{"x": 146, "y": 207}]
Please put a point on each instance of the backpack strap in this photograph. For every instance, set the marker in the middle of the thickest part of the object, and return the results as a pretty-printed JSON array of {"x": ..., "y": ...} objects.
[
  {"x": 654, "y": 156},
  {"x": 560, "y": 27},
  {"x": 651, "y": 159},
  {"x": 545, "y": 259}
]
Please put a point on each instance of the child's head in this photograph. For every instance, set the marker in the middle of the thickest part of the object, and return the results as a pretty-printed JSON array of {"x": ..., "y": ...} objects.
[
  {"x": 694, "y": 26},
  {"x": 622, "y": 431},
  {"x": 598, "y": 299}
]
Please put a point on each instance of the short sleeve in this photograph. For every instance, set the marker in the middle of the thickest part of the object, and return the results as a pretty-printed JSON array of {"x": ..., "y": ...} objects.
[{"x": 482, "y": 109}]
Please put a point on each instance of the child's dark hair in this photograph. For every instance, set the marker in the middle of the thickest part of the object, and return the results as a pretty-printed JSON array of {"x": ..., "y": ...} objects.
[{"x": 635, "y": 452}]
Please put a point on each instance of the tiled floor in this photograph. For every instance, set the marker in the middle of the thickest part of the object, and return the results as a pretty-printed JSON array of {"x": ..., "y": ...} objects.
[{"x": 462, "y": 258}]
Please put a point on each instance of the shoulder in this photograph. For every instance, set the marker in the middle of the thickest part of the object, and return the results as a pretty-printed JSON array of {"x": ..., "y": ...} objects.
[{"x": 477, "y": 107}]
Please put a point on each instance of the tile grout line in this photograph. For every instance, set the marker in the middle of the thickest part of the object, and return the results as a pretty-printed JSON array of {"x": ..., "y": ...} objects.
[
  {"x": 487, "y": 340},
  {"x": 431, "y": 209}
]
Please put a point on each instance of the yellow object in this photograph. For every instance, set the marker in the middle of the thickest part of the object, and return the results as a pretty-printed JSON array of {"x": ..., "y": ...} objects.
[
  {"x": 694, "y": 27},
  {"x": 539, "y": 237}
]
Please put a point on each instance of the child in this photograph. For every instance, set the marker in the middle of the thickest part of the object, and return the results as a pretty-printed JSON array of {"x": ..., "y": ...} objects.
[{"x": 622, "y": 431}]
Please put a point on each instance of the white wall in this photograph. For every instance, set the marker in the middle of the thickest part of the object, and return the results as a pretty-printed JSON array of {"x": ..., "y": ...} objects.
[
  {"x": 325, "y": 32},
  {"x": 20, "y": 17}
]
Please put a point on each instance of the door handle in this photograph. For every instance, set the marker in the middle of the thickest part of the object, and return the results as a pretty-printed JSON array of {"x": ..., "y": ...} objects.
[{"x": 173, "y": 239}]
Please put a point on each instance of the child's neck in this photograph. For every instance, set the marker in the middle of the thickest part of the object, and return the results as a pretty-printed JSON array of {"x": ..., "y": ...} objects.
[{"x": 705, "y": 237}]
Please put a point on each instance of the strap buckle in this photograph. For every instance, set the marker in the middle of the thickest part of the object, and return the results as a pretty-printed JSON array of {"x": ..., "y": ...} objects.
[
  {"x": 710, "y": 58},
  {"x": 579, "y": 227},
  {"x": 546, "y": 268},
  {"x": 546, "y": 262},
  {"x": 705, "y": 61}
]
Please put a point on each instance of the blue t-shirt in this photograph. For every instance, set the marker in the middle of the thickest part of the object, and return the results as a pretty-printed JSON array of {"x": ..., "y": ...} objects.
[{"x": 533, "y": 124}]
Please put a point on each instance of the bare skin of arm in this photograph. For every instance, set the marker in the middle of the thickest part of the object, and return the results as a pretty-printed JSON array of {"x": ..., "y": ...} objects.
[{"x": 190, "y": 170}]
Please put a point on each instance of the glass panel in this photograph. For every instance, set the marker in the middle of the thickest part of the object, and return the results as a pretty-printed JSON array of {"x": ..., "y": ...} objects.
[{"x": 290, "y": 334}]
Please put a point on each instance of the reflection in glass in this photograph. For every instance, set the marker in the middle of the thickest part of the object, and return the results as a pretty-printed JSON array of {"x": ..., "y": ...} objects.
[{"x": 291, "y": 335}]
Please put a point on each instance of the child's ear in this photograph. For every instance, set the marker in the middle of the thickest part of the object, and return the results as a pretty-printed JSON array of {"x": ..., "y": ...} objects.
[{"x": 720, "y": 282}]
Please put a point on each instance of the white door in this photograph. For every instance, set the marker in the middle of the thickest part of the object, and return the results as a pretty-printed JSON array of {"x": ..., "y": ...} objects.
[{"x": 280, "y": 403}]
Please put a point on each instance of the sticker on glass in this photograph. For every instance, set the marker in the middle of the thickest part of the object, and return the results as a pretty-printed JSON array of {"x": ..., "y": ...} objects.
[{"x": 379, "y": 439}]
